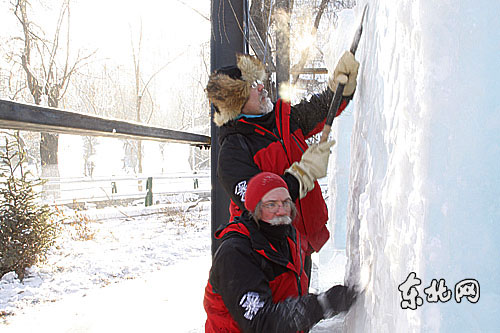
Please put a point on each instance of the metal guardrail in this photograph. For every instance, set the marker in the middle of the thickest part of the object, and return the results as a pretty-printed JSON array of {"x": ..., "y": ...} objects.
[
  {"x": 30, "y": 117},
  {"x": 67, "y": 180},
  {"x": 101, "y": 191}
]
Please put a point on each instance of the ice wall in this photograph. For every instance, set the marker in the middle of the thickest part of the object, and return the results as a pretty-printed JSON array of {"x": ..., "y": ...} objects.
[
  {"x": 463, "y": 180},
  {"x": 424, "y": 187}
]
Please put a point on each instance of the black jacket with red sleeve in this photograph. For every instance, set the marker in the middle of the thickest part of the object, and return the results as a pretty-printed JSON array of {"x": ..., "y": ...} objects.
[
  {"x": 257, "y": 281},
  {"x": 272, "y": 142}
]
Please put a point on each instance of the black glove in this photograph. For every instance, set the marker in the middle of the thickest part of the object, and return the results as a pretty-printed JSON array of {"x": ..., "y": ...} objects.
[{"x": 336, "y": 299}]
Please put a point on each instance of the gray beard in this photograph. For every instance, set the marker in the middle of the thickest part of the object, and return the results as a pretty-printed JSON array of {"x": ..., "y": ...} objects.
[
  {"x": 266, "y": 106},
  {"x": 280, "y": 220}
]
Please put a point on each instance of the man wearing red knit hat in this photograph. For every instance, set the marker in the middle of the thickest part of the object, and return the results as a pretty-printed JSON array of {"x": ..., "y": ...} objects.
[{"x": 265, "y": 289}]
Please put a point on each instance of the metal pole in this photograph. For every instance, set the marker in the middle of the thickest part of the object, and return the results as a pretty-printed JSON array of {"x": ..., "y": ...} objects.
[{"x": 229, "y": 21}]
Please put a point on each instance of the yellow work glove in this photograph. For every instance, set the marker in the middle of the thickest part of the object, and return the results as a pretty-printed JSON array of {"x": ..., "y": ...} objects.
[
  {"x": 346, "y": 73},
  {"x": 312, "y": 166}
]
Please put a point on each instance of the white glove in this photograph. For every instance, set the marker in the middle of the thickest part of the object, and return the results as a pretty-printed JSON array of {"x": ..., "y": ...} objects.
[
  {"x": 346, "y": 73},
  {"x": 312, "y": 166}
]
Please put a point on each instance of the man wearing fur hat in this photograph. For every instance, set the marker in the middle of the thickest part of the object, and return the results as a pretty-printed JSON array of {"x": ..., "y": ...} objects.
[
  {"x": 266, "y": 288},
  {"x": 258, "y": 135}
]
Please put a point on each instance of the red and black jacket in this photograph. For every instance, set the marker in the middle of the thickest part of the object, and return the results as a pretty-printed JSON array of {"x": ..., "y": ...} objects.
[
  {"x": 257, "y": 282},
  {"x": 272, "y": 142}
]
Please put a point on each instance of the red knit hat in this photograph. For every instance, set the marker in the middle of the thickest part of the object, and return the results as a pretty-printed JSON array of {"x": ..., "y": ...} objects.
[{"x": 259, "y": 185}]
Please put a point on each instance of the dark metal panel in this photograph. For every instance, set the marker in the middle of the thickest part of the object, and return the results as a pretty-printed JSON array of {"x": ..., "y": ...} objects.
[
  {"x": 229, "y": 21},
  {"x": 27, "y": 117}
]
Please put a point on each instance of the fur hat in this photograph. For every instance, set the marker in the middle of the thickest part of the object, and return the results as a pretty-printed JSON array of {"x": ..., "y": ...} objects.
[
  {"x": 228, "y": 88},
  {"x": 259, "y": 186}
]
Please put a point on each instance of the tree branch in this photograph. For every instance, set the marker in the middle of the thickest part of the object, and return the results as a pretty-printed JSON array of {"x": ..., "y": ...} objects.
[
  {"x": 195, "y": 10},
  {"x": 305, "y": 53}
]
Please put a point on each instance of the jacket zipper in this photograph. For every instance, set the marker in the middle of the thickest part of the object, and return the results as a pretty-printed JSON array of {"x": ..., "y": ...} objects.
[
  {"x": 301, "y": 268},
  {"x": 277, "y": 137}
]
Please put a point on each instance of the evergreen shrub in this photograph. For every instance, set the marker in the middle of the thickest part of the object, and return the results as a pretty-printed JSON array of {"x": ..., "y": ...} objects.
[{"x": 27, "y": 230}]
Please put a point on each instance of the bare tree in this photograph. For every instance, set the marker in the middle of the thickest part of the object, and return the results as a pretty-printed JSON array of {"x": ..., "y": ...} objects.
[
  {"x": 45, "y": 77},
  {"x": 142, "y": 89},
  {"x": 89, "y": 150},
  {"x": 192, "y": 107},
  {"x": 282, "y": 23},
  {"x": 272, "y": 20},
  {"x": 260, "y": 11},
  {"x": 305, "y": 53},
  {"x": 136, "y": 56}
]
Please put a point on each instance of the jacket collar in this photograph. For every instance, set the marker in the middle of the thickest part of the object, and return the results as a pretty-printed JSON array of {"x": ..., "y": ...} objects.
[
  {"x": 245, "y": 225},
  {"x": 246, "y": 125}
]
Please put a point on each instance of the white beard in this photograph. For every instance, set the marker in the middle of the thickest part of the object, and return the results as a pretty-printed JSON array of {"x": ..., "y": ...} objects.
[
  {"x": 266, "y": 105},
  {"x": 280, "y": 220}
]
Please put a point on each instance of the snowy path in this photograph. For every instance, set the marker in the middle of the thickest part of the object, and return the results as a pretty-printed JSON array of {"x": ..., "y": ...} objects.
[
  {"x": 159, "y": 302},
  {"x": 146, "y": 273},
  {"x": 169, "y": 300}
]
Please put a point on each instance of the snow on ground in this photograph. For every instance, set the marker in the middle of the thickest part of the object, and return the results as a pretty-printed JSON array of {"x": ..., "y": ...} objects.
[
  {"x": 133, "y": 262},
  {"x": 145, "y": 269}
]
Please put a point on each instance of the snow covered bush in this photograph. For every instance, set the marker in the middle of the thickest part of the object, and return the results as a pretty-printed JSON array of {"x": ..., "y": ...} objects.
[{"x": 26, "y": 227}]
